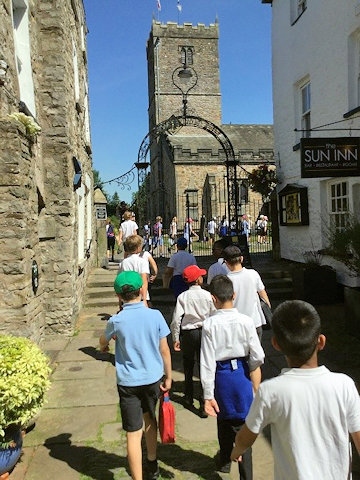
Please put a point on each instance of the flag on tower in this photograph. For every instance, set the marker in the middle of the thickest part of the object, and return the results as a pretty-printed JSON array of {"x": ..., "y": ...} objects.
[
  {"x": 179, "y": 6},
  {"x": 158, "y": 5}
]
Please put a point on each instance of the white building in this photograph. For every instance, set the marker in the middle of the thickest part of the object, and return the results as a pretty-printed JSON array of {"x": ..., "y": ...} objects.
[{"x": 316, "y": 94}]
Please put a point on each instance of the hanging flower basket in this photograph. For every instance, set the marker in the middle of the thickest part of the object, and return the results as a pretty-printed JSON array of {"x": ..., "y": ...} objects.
[{"x": 263, "y": 179}]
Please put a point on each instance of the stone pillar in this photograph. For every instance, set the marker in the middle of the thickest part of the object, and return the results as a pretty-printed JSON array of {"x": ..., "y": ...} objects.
[{"x": 101, "y": 218}]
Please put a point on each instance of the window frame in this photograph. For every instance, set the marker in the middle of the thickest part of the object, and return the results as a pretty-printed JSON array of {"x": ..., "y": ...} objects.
[{"x": 338, "y": 217}]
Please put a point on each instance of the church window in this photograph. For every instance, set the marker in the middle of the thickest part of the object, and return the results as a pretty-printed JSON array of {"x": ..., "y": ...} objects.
[{"x": 187, "y": 54}]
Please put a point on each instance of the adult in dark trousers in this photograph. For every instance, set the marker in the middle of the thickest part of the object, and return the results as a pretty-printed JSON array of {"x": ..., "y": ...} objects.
[{"x": 110, "y": 236}]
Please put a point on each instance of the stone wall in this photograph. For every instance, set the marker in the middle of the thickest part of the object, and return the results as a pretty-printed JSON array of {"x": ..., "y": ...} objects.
[{"x": 40, "y": 214}]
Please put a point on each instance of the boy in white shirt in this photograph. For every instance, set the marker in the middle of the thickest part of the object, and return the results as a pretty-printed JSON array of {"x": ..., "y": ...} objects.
[
  {"x": 311, "y": 410},
  {"x": 230, "y": 360},
  {"x": 132, "y": 262}
]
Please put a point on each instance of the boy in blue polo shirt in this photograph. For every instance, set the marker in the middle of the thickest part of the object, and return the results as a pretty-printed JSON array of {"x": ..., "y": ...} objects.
[{"x": 143, "y": 369}]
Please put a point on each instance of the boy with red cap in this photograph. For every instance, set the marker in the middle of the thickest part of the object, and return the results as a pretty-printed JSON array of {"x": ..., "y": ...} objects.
[{"x": 192, "y": 307}]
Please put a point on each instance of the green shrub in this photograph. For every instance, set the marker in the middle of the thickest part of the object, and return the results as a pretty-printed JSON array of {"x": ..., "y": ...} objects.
[{"x": 24, "y": 380}]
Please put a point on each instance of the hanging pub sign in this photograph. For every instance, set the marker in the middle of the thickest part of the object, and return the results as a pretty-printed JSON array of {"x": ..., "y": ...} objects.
[{"x": 330, "y": 157}]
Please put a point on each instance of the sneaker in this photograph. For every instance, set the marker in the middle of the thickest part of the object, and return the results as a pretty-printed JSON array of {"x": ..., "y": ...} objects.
[
  {"x": 221, "y": 466},
  {"x": 225, "y": 468},
  {"x": 152, "y": 470}
]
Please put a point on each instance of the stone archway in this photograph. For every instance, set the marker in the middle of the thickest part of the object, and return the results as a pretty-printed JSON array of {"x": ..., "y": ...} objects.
[{"x": 173, "y": 124}]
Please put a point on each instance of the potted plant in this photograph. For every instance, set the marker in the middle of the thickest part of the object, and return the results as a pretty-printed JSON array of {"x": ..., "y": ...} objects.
[
  {"x": 313, "y": 282},
  {"x": 344, "y": 246},
  {"x": 24, "y": 380}
]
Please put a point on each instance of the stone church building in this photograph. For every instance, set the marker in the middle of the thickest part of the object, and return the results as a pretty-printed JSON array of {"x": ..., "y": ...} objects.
[
  {"x": 187, "y": 165},
  {"x": 46, "y": 214}
]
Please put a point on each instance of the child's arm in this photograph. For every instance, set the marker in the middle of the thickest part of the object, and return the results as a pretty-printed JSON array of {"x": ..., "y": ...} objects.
[
  {"x": 176, "y": 324},
  {"x": 356, "y": 439},
  {"x": 264, "y": 296},
  {"x": 167, "y": 276},
  {"x": 255, "y": 377},
  {"x": 104, "y": 344},
  {"x": 243, "y": 440},
  {"x": 144, "y": 287},
  {"x": 153, "y": 268},
  {"x": 166, "y": 356}
]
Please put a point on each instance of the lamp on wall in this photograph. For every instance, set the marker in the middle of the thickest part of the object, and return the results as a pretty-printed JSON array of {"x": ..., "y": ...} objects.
[{"x": 3, "y": 71}]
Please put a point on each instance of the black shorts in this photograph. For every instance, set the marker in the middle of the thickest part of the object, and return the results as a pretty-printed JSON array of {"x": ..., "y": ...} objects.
[{"x": 135, "y": 401}]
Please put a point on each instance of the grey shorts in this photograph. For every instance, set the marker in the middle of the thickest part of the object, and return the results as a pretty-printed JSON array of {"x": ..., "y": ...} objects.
[{"x": 135, "y": 401}]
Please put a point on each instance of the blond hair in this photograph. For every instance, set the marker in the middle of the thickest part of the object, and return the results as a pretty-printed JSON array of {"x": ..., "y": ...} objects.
[
  {"x": 133, "y": 243},
  {"x": 127, "y": 215}
]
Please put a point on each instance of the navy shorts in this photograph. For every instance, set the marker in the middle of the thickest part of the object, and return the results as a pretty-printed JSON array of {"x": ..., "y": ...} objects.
[{"x": 135, "y": 401}]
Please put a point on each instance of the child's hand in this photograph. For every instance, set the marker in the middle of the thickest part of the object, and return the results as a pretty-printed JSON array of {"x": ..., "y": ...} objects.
[
  {"x": 166, "y": 385},
  {"x": 177, "y": 347},
  {"x": 235, "y": 455},
  {"x": 211, "y": 407}
]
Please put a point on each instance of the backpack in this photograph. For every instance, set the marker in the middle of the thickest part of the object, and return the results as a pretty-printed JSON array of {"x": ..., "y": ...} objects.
[
  {"x": 156, "y": 229},
  {"x": 110, "y": 231}
]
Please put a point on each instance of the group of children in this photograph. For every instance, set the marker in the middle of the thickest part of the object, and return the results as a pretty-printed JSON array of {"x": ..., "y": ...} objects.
[{"x": 311, "y": 410}]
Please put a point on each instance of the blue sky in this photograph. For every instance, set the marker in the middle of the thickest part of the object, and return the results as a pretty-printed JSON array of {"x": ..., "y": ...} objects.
[{"x": 116, "y": 42}]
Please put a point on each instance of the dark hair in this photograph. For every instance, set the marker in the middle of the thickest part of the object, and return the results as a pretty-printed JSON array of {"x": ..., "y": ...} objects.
[
  {"x": 232, "y": 254},
  {"x": 296, "y": 326},
  {"x": 221, "y": 243},
  {"x": 222, "y": 288},
  {"x": 128, "y": 295}
]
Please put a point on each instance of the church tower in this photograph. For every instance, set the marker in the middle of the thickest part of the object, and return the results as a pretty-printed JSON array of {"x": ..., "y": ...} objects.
[
  {"x": 188, "y": 165},
  {"x": 170, "y": 46}
]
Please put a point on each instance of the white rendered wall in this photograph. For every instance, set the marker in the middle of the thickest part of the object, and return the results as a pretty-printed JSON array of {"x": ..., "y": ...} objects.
[{"x": 315, "y": 48}]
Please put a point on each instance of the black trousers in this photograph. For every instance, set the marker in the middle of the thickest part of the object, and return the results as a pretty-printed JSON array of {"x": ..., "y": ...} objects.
[
  {"x": 226, "y": 435},
  {"x": 190, "y": 341}
]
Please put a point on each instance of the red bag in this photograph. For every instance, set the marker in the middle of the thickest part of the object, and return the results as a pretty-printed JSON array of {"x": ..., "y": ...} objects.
[{"x": 166, "y": 419}]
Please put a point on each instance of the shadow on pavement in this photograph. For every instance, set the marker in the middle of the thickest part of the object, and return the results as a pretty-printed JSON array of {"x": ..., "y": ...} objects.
[
  {"x": 101, "y": 356},
  {"x": 86, "y": 460},
  {"x": 188, "y": 461}
]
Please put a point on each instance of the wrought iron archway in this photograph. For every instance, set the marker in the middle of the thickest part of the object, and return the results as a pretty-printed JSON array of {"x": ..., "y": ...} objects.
[{"x": 174, "y": 124}]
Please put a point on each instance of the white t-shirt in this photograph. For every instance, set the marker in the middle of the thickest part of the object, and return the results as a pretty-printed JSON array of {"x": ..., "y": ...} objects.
[
  {"x": 129, "y": 227},
  {"x": 191, "y": 309},
  {"x": 136, "y": 264},
  {"x": 217, "y": 268},
  {"x": 180, "y": 260},
  {"x": 247, "y": 283},
  {"x": 211, "y": 226},
  {"x": 311, "y": 413},
  {"x": 226, "y": 335}
]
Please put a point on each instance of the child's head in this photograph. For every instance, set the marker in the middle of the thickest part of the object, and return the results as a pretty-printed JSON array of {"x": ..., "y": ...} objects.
[
  {"x": 296, "y": 327},
  {"x": 218, "y": 248},
  {"x": 127, "y": 285},
  {"x": 181, "y": 243},
  {"x": 221, "y": 287},
  {"x": 232, "y": 255},
  {"x": 133, "y": 244},
  {"x": 193, "y": 274},
  {"x": 127, "y": 215}
]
